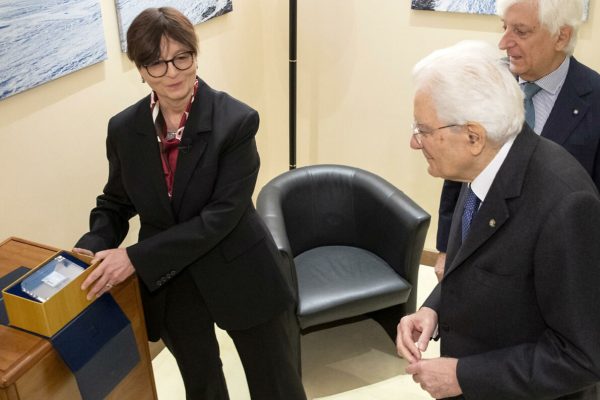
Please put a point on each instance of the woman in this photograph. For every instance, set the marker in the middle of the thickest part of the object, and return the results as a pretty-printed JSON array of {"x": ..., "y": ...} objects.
[{"x": 184, "y": 159}]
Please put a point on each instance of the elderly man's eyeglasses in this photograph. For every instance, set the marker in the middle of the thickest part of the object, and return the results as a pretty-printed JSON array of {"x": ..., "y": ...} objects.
[
  {"x": 181, "y": 61},
  {"x": 419, "y": 132}
]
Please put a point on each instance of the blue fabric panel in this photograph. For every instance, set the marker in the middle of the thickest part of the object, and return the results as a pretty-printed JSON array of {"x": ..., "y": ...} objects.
[
  {"x": 99, "y": 347},
  {"x": 97, "y": 378},
  {"x": 5, "y": 281}
]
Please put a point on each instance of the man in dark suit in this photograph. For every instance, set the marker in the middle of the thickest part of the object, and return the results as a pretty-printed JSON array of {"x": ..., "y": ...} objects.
[
  {"x": 516, "y": 308},
  {"x": 539, "y": 40},
  {"x": 184, "y": 159}
]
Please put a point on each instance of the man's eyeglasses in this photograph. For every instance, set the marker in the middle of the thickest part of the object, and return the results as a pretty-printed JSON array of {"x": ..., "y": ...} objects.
[
  {"x": 181, "y": 61},
  {"x": 418, "y": 132}
]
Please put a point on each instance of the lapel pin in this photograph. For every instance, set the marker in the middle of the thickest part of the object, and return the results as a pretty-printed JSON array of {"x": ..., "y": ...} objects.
[
  {"x": 492, "y": 223},
  {"x": 575, "y": 111}
]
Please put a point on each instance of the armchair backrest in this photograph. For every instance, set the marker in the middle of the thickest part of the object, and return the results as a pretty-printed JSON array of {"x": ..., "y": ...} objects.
[{"x": 324, "y": 205}]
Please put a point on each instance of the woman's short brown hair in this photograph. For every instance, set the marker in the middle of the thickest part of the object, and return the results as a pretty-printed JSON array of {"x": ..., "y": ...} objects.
[{"x": 150, "y": 26}]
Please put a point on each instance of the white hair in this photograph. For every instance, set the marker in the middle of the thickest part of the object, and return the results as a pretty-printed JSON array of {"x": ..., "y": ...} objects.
[
  {"x": 469, "y": 82},
  {"x": 552, "y": 14}
]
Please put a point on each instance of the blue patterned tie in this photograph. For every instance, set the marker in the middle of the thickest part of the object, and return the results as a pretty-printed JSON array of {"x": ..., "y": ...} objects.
[
  {"x": 471, "y": 207},
  {"x": 530, "y": 89}
]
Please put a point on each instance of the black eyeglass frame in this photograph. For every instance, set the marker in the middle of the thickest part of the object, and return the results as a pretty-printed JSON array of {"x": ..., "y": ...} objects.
[{"x": 174, "y": 61}]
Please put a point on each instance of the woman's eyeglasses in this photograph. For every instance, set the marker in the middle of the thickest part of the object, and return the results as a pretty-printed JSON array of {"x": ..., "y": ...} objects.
[{"x": 181, "y": 61}]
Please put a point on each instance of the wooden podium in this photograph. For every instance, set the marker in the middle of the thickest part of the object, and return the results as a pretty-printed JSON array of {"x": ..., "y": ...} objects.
[{"x": 30, "y": 368}]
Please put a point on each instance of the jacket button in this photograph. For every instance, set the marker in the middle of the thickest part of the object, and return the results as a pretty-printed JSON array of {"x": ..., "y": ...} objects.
[{"x": 445, "y": 327}]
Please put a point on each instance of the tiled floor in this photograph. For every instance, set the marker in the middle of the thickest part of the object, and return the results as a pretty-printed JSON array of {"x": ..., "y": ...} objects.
[{"x": 350, "y": 362}]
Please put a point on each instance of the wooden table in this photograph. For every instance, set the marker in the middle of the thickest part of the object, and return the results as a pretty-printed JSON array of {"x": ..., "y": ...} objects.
[{"x": 29, "y": 366}]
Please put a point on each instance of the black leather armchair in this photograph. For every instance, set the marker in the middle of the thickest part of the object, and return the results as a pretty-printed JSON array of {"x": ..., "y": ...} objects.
[{"x": 352, "y": 243}]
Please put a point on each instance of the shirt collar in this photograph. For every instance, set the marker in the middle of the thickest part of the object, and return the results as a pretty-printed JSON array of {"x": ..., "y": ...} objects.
[
  {"x": 482, "y": 183},
  {"x": 161, "y": 127},
  {"x": 552, "y": 82}
]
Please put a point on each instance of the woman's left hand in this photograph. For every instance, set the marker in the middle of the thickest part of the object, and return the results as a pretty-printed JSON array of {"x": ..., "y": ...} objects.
[{"x": 114, "y": 269}]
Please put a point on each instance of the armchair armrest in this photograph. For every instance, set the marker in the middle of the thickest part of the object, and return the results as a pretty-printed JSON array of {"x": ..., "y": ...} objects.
[{"x": 268, "y": 206}]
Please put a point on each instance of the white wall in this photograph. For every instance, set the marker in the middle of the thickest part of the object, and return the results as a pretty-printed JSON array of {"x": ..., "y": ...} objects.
[{"x": 354, "y": 102}]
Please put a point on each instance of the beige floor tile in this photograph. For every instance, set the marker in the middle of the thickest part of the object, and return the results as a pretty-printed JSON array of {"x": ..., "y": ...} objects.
[{"x": 351, "y": 362}]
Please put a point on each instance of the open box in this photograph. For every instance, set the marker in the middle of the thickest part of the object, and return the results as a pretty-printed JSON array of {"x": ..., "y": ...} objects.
[{"x": 50, "y": 315}]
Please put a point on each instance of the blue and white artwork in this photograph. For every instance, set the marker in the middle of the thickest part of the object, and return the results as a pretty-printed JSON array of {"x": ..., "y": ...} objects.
[
  {"x": 196, "y": 10},
  {"x": 44, "y": 40},
  {"x": 466, "y": 6}
]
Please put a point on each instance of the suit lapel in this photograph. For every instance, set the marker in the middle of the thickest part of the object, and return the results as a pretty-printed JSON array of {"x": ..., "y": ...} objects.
[
  {"x": 494, "y": 211},
  {"x": 490, "y": 217},
  {"x": 570, "y": 107},
  {"x": 194, "y": 142}
]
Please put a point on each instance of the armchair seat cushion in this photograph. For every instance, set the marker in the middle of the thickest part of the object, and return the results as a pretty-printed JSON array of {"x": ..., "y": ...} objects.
[{"x": 337, "y": 282}]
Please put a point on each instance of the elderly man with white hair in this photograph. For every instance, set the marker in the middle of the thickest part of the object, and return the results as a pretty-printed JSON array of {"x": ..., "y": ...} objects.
[
  {"x": 516, "y": 308},
  {"x": 562, "y": 95}
]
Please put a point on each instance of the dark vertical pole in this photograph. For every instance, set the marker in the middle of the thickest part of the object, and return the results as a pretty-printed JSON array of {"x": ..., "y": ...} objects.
[{"x": 293, "y": 29}]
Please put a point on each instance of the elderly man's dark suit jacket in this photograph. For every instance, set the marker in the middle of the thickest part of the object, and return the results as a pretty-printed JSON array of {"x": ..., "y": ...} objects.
[
  {"x": 518, "y": 302},
  {"x": 574, "y": 123},
  {"x": 210, "y": 227}
]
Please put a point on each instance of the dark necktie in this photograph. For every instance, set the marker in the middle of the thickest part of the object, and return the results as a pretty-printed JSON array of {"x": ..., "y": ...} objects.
[
  {"x": 471, "y": 207},
  {"x": 530, "y": 89}
]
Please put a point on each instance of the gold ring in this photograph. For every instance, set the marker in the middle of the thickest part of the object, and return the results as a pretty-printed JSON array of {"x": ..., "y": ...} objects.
[{"x": 109, "y": 286}]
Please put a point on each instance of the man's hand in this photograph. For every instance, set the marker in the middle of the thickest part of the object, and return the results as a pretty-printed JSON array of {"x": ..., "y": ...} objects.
[
  {"x": 436, "y": 376},
  {"x": 440, "y": 265},
  {"x": 414, "y": 333},
  {"x": 114, "y": 269}
]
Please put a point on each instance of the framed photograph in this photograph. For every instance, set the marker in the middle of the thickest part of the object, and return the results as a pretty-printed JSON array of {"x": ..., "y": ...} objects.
[
  {"x": 466, "y": 6},
  {"x": 196, "y": 10},
  {"x": 44, "y": 40}
]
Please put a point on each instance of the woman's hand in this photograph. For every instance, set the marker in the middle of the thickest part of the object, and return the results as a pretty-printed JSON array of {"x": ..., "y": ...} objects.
[
  {"x": 114, "y": 268},
  {"x": 84, "y": 252}
]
